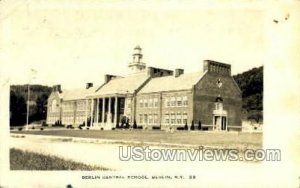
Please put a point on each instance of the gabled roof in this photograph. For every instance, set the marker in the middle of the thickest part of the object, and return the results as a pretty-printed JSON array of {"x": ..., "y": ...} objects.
[
  {"x": 172, "y": 83},
  {"x": 123, "y": 85},
  {"x": 76, "y": 94}
]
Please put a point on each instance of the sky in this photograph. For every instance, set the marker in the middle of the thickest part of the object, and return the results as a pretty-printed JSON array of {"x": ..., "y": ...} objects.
[{"x": 75, "y": 43}]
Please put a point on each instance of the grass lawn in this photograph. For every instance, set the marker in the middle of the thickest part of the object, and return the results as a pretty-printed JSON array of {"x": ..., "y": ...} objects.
[
  {"x": 200, "y": 138},
  {"x": 23, "y": 160}
]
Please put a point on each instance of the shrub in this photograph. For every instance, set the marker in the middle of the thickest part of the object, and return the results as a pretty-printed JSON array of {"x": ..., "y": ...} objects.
[
  {"x": 180, "y": 128},
  {"x": 20, "y": 129},
  {"x": 199, "y": 125},
  {"x": 186, "y": 127},
  {"x": 134, "y": 124},
  {"x": 11, "y": 128},
  {"x": 44, "y": 124},
  {"x": 32, "y": 128},
  {"x": 41, "y": 128},
  {"x": 192, "y": 126},
  {"x": 127, "y": 123},
  {"x": 155, "y": 128}
]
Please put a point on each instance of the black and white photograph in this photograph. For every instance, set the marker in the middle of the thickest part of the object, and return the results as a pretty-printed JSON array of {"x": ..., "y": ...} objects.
[{"x": 149, "y": 93}]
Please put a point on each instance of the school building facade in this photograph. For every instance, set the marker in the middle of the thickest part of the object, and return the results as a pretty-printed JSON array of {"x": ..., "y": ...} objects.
[{"x": 153, "y": 98}]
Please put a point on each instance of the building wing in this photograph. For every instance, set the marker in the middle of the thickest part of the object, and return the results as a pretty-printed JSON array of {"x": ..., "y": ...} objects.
[
  {"x": 124, "y": 85},
  {"x": 77, "y": 94},
  {"x": 172, "y": 83}
]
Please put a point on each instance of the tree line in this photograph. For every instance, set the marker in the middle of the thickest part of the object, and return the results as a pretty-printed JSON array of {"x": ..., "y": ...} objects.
[
  {"x": 251, "y": 85},
  {"x": 37, "y": 102}
]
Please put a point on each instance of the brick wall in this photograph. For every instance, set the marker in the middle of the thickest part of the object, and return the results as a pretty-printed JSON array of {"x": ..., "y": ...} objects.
[
  {"x": 162, "y": 109},
  {"x": 206, "y": 92}
]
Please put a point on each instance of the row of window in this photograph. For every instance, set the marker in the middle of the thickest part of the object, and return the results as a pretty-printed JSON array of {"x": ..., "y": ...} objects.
[
  {"x": 69, "y": 106},
  {"x": 148, "y": 118},
  {"x": 169, "y": 102},
  {"x": 176, "y": 101},
  {"x": 149, "y": 103},
  {"x": 170, "y": 118},
  {"x": 176, "y": 118}
]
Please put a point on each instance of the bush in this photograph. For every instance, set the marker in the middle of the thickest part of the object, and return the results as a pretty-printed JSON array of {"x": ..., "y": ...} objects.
[
  {"x": 20, "y": 129},
  {"x": 155, "y": 128},
  {"x": 44, "y": 124},
  {"x": 41, "y": 128},
  {"x": 199, "y": 125},
  {"x": 32, "y": 128},
  {"x": 186, "y": 127},
  {"x": 11, "y": 128},
  {"x": 70, "y": 127},
  {"x": 134, "y": 124},
  {"x": 192, "y": 126},
  {"x": 180, "y": 128}
]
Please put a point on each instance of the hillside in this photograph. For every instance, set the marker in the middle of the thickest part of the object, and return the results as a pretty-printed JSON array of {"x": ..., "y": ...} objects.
[{"x": 251, "y": 84}]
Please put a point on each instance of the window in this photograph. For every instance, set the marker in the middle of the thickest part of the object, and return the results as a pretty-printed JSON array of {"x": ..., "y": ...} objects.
[
  {"x": 145, "y": 118},
  {"x": 167, "y": 120},
  {"x": 155, "y": 102},
  {"x": 185, "y": 101},
  {"x": 173, "y": 101},
  {"x": 150, "y": 120},
  {"x": 172, "y": 118},
  {"x": 178, "y": 118},
  {"x": 184, "y": 118},
  {"x": 141, "y": 118},
  {"x": 167, "y": 102},
  {"x": 155, "y": 118},
  {"x": 141, "y": 103},
  {"x": 179, "y": 101},
  {"x": 150, "y": 103},
  {"x": 145, "y": 103}
]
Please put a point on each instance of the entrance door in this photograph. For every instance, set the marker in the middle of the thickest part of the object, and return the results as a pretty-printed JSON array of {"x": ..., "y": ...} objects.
[
  {"x": 217, "y": 122},
  {"x": 220, "y": 123},
  {"x": 224, "y": 124}
]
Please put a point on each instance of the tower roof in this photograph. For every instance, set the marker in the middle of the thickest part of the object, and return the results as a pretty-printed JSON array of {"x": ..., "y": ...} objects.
[{"x": 138, "y": 47}]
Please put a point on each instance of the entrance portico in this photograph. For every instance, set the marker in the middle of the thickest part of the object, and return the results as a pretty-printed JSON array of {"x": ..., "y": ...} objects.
[
  {"x": 220, "y": 120},
  {"x": 106, "y": 111}
]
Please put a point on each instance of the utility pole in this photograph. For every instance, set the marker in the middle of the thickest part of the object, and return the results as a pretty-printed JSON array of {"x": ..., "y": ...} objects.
[
  {"x": 32, "y": 76},
  {"x": 27, "y": 113}
]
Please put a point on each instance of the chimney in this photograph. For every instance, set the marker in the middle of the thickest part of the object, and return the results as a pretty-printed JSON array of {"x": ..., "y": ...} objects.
[
  {"x": 88, "y": 85},
  {"x": 108, "y": 77},
  {"x": 217, "y": 67},
  {"x": 178, "y": 72}
]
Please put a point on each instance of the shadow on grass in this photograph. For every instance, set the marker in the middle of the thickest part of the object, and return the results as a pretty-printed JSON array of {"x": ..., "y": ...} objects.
[{"x": 24, "y": 160}]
